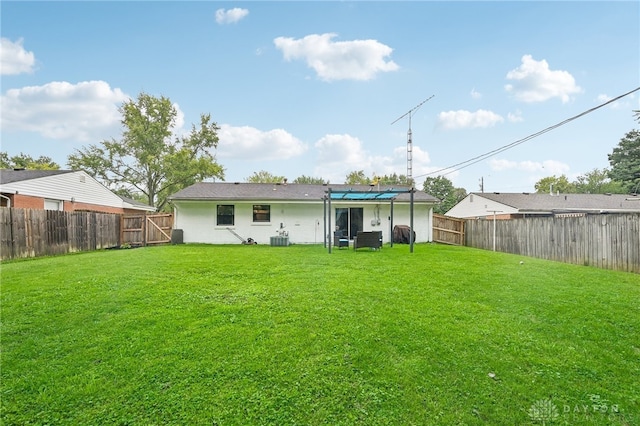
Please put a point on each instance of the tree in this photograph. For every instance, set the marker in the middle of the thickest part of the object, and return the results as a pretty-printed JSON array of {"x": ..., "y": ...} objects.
[
  {"x": 625, "y": 161},
  {"x": 310, "y": 180},
  {"x": 148, "y": 159},
  {"x": 357, "y": 178},
  {"x": 393, "y": 179},
  {"x": 264, "y": 177},
  {"x": 24, "y": 161},
  {"x": 555, "y": 184},
  {"x": 443, "y": 189},
  {"x": 597, "y": 181}
]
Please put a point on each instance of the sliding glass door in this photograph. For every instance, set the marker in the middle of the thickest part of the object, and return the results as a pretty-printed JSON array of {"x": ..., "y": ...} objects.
[{"x": 350, "y": 220}]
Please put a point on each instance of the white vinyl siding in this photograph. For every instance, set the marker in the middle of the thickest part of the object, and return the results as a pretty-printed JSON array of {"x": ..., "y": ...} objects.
[{"x": 65, "y": 186}]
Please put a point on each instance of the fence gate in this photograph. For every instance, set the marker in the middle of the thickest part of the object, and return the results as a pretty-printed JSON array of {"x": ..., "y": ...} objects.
[
  {"x": 146, "y": 229},
  {"x": 448, "y": 230}
]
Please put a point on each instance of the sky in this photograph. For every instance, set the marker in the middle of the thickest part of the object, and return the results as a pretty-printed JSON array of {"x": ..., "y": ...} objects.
[{"x": 322, "y": 89}]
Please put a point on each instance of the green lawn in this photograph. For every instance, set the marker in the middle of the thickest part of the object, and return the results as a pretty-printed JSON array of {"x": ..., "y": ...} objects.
[{"x": 238, "y": 335}]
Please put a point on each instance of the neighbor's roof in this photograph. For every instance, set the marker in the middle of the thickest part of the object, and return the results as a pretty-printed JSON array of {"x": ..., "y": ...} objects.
[
  {"x": 285, "y": 192},
  {"x": 526, "y": 202},
  {"x": 18, "y": 175}
]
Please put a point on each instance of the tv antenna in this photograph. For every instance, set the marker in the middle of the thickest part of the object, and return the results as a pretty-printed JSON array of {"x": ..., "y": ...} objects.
[{"x": 409, "y": 140}]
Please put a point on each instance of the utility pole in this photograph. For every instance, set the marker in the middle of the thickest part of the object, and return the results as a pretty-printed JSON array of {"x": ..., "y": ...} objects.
[{"x": 409, "y": 139}]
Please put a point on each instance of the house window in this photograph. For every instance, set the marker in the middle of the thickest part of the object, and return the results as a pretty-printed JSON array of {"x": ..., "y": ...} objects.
[
  {"x": 261, "y": 213},
  {"x": 53, "y": 205},
  {"x": 225, "y": 215}
]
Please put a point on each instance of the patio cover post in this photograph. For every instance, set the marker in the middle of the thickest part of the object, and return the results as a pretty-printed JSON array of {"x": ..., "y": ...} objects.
[
  {"x": 324, "y": 210},
  {"x": 329, "y": 243},
  {"x": 411, "y": 221},
  {"x": 391, "y": 223}
]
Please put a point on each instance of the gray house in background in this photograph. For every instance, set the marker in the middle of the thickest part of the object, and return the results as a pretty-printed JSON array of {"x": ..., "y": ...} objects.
[
  {"x": 518, "y": 205},
  {"x": 223, "y": 212}
]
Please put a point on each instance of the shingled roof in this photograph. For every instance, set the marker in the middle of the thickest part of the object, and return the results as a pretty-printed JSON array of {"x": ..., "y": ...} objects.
[
  {"x": 525, "y": 202},
  {"x": 18, "y": 175},
  {"x": 238, "y": 191}
]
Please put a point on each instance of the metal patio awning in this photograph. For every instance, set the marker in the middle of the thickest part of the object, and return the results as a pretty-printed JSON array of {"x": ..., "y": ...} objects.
[
  {"x": 368, "y": 195},
  {"x": 363, "y": 195}
]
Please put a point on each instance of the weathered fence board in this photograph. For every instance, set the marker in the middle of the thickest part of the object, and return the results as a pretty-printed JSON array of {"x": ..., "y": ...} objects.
[
  {"x": 145, "y": 229},
  {"x": 32, "y": 233},
  {"x": 448, "y": 230},
  {"x": 610, "y": 241}
]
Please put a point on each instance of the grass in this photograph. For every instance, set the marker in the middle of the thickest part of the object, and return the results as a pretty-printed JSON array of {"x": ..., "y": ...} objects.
[{"x": 237, "y": 335}]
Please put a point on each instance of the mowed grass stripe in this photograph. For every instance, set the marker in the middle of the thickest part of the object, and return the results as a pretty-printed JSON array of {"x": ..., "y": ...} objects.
[{"x": 200, "y": 334}]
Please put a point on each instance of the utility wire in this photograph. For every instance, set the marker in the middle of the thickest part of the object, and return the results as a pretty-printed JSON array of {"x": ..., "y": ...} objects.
[{"x": 477, "y": 159}]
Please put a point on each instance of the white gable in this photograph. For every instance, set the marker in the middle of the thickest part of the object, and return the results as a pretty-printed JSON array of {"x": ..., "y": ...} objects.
[
  {"x": 474, "y": 205},
  {"x": 77, "y": 186}
]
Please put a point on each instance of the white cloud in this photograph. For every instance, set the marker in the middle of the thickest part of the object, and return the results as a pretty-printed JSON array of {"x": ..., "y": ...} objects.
[
  {"x": 515, "y": 117},
  {"x": 230, "y": 16},
  {"x": 549, "y": 167},
  {"x": 84, "y": 112},
  {"x": 535, "y": 82},
  {"x": 249, "y": 143},
  {"x": 342, "y": 60},
  {"x": 462, "y": 119},
  {"x": 619, "y": 104},
  {"x": 339, "y": 155},
  {"x": 14, "y": 59},
  {"x": 475, "y": 94}
]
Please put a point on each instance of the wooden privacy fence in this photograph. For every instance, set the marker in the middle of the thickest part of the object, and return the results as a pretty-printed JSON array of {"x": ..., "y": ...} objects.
[
  {"x": 32, "y": 233},
  {"x": 145, "y": 229},
  {"x": 448, "y": 230},
  {"x": 610, "y": 241}
]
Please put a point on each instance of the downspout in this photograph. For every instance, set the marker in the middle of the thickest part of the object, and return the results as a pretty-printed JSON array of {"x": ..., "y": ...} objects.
[{"x": 8, "y": 200}]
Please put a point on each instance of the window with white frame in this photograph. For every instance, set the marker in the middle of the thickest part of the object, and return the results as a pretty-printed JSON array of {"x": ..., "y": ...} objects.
[
  {"x": 225, "y": 215},
  {"x": 261, "y": 213}
]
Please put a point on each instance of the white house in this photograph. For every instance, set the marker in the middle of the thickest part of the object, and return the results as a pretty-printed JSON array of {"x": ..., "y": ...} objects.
[
  {"x": 518, "y": 205},
  {"x": 226, "y": 213},
  {"x": 66, "y": 190}
]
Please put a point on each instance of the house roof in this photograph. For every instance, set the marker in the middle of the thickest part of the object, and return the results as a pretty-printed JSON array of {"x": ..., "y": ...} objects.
[
  {"x": 526, "y": 202},
  {"x": 60, "y": 187},
  {"x": 227, "y": 191},
  {"x": 18, "y": 175},
  {"x": 135, "y": 204}
]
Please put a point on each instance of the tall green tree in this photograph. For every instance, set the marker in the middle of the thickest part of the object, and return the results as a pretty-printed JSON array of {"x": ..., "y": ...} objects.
[
  {"x": 24, "y": 161},
  {"x": 148, "y": 159},
  {"x": 443, "y": 189},
  {"x": 393, "y": 179},
  {"x": 556, "y": 184},
  {"x": 597, "y": 181},
  {"x": 357, "y": 178},
  {"x": 264, "y": 177},
  {"x": 625, "y": 161},
  {"x": 310, "y": 180}
]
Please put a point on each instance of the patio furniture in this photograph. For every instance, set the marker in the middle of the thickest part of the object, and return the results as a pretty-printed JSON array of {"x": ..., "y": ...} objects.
[{"x": 371, "y": 239}]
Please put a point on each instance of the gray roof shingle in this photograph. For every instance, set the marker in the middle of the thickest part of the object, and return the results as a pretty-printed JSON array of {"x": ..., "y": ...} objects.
[
  {"x": 18, "y": 175},
  {"x": 565, "y": 202},
  {"x": 280, "y": 192}
]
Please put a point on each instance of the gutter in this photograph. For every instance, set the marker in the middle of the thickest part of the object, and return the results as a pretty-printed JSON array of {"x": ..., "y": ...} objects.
[{"x": 8, "y": 200}]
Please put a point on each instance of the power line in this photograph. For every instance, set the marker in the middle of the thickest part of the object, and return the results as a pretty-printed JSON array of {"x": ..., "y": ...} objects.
[{"x": 463, "y": 164}]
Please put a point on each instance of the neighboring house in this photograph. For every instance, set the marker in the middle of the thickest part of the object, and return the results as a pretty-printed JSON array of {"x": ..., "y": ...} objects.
[
  {"x": 65, "y": 190},
  {"x": 519, "y": 205},
  {"x": 214, "y": 212}
]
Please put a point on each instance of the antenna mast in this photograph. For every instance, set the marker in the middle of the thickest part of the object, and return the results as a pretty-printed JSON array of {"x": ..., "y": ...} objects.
[{"x": 409, "y": 139}]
